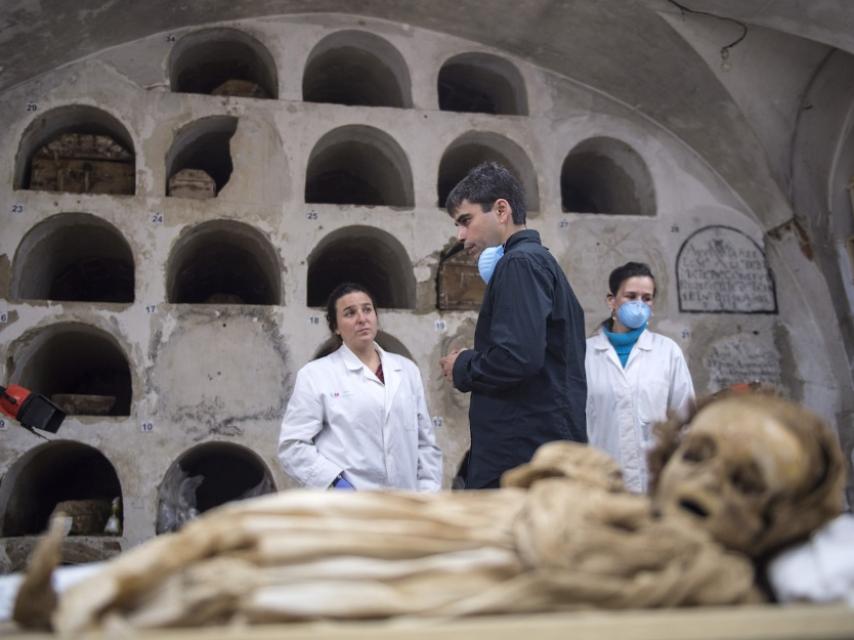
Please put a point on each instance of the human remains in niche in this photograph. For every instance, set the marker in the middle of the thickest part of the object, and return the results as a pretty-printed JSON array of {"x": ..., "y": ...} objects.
[{"x": 561, "y": 534}]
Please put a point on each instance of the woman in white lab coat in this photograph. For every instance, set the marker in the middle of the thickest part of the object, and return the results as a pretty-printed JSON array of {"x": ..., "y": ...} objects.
[
  {"x": 634, "y": 376},
  {"x": 358, "y": 418}
]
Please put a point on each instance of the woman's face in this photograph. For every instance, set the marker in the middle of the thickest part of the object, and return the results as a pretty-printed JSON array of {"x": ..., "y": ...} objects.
[
  {"x": 634, "y": 288},
  {"x": 356, "y": 319}
]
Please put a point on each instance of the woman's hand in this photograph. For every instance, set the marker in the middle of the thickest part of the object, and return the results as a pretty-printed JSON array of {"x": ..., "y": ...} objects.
[{"x": 341, "y": 483}]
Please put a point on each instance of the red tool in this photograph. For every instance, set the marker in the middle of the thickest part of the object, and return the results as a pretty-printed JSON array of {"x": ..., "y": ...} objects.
[{"x": 31, "y": 410}]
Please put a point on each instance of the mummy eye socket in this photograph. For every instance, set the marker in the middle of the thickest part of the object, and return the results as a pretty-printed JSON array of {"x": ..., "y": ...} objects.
[
  {"x": 699, "y": 449},
  {"x": 748, "y": 480}
]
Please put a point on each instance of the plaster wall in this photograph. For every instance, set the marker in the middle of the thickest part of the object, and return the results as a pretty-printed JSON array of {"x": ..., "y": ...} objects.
[{"x": 223, "y": 373}]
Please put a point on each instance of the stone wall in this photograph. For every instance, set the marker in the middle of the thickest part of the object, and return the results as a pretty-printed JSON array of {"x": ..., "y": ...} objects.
[{"x": 223, "y": 285}]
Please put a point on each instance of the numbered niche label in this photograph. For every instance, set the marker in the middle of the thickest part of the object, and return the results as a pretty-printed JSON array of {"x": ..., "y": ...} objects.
[{"x": 146, "y": 427}]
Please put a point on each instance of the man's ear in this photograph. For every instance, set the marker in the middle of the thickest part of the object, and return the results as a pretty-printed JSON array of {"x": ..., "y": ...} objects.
[{"x": 503, "y": 210}]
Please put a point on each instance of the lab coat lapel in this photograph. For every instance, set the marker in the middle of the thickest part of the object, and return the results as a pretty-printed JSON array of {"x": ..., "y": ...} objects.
[
  {"x": 350, "y": 359},
  {"x": 601, "y": 343},
  {"x": 644, "y": 343},
  {"x": 393, "y": 376}
]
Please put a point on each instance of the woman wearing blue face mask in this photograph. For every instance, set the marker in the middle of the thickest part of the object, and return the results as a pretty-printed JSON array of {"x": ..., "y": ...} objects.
[{"x": 634, "y": 376}]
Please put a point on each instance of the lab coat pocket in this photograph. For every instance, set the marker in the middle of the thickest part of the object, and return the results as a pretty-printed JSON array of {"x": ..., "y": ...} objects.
[
  {"x": 652, "y": 406},
  {"x": 412, "y": 415},
  {"x": 407, "y": 410}
]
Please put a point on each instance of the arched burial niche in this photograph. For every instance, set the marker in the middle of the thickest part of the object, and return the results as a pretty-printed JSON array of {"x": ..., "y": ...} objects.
[
  {"x": 207, "y": 476},
  {"x": 74, "y": 256},
  {"x": 201, "y": 152},
  {"x": 79, "y": 367},
  {"x": 359, "y": 165},
  {"x": 62, "y": 475},
  {"x": 475, "y": 147},
  {"x": 605, "y": 175},
  {"x": 482, "y": 83},
  {"x": 356, "y": 68},
  {"x": 223, "y": 262},
  {"x": 369, "y": 256},
  {"x": 223, "y": 62},
  {"x": 76, "y": 149},
  {"x": 387, "y": 341}
]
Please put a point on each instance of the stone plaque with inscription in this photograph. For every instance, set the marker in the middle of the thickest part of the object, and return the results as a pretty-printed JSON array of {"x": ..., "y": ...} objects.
[
  {"x": 741, "y": 358},
  {"x": 720, "y": 269}
]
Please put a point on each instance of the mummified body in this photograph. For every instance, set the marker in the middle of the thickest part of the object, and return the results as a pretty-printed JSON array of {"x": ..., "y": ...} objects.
[{"x": 560, "y": 534}]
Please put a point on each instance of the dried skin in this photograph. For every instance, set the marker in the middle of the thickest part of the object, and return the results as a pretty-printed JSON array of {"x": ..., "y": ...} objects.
[
  {"x": 36, "y": 598},
  {"x": 758, "y": 472},
  {"x": 562, "y": 544}
]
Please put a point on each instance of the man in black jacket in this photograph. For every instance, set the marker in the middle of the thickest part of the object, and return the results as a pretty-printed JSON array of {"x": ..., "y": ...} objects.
[{"x": 526, "y": 371}]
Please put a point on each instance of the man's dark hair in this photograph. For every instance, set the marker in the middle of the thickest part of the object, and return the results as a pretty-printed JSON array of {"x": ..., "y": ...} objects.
[
  {"x": 629, "y": 270},
  {"x": 339, "y": 292},
  {"x": 485, "y": 184}
]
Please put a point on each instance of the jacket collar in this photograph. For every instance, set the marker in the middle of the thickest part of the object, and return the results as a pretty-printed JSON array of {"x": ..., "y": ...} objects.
[{"x": 521, "y": 237}]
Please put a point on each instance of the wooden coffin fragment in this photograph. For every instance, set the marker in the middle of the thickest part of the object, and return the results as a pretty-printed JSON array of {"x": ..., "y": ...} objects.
[
  {"x": 192, "y": 183},
  {"x": 460, "y": 286},
  {"x": 83, "y": 163},
  {"x": 240, "y": 89}
]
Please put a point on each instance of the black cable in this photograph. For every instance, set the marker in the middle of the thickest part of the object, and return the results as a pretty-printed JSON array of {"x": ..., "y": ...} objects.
[
  {"x": 725, "y": 49},
  {"x": 3, "y": 394}
]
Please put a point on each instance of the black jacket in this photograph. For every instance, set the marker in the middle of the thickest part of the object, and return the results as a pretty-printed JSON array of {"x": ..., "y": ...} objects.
[{"x": 526, "y": 371}]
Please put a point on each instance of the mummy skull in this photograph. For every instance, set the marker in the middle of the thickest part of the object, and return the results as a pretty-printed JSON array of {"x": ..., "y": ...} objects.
[{"x": 756, "y": 471}]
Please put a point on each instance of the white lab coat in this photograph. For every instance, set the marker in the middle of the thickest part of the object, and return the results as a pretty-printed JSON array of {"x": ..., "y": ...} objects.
[
  {"x": 624, "y": 403},
  {"x": 340, "y": 417}
]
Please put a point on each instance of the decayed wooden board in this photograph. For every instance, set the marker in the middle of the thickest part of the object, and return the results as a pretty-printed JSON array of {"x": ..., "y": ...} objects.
[
  {"x": 82, "y": 176},
  {"x": 807, "y": 622},
  {"x": 460, "y": 286},
  {"x": 83, "y": 163},
  {"x": 192, "y": 183}
]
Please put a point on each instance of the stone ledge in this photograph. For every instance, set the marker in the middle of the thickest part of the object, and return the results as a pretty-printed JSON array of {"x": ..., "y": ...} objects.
[{"x": 15, "y": 550}]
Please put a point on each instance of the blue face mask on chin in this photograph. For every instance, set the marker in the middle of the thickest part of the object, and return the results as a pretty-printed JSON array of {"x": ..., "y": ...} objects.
[
  {"x": 634, "y": 314},
  {"x": 489, "y": 257}
]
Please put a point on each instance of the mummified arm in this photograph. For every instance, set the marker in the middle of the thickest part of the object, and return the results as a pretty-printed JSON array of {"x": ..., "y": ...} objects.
[
  {"x": 270, "y": 543},
  {"x": 36, "y": 599}
]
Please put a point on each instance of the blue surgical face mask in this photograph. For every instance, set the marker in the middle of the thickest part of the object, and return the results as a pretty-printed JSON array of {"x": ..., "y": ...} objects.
[
  {"x": 489, "y": 257},
  {"x": 634, "y": 314}
]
